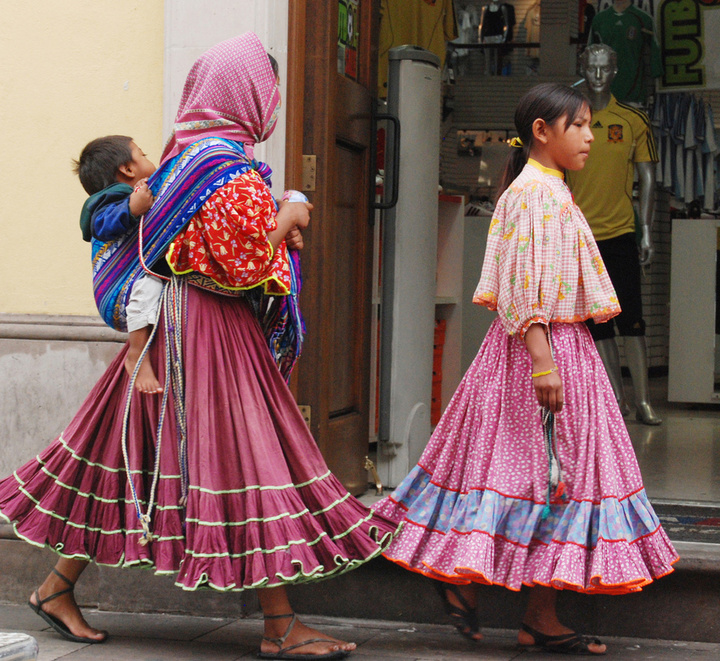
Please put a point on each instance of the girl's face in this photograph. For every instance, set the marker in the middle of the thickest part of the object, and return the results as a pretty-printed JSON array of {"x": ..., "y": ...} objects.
[{"x": 569, "y": 148}]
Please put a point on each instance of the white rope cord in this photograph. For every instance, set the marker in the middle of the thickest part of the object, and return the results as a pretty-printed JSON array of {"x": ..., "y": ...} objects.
[
  {"x": 174, "y": 322},
  {"x": 554, "y": 466},
  {"x": 172, "y": 307}
]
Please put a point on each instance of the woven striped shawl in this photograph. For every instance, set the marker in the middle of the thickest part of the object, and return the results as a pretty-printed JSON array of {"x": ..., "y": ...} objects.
[{"x": 181, "y": 186}]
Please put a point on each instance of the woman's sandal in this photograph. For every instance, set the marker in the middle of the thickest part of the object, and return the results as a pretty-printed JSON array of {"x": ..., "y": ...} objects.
[
  {"x": 57, "y": 624},
  {"x": 464, "y": 619},
  {"x": 286, "y": 652},
  {"x": 565, "y": 643}
]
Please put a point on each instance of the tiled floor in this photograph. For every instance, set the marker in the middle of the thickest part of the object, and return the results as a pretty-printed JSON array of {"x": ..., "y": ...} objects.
[
  {"x": 139, "y": 637},
  {"x": 679, "y": 459}
]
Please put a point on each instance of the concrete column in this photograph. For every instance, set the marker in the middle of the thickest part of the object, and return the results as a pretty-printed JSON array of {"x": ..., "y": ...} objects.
[{"x": 192, "y": 27}]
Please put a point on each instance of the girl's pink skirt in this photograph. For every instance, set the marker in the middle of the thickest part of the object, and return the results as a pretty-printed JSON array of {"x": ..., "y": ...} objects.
[
  {"x": 262, "y": 507},
  {"x": 474, "y": 508}
]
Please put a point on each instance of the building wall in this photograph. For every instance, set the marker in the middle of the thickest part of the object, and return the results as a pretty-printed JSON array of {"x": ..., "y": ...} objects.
[
  {"x": 69, "y": 72},
  {"x": 191, "y": 27}
]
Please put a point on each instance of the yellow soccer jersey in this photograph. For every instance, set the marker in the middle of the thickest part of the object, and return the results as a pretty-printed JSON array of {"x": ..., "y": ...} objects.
[
  {"x": 426, "y": 23},
  {"x": 603, "y": 188}
]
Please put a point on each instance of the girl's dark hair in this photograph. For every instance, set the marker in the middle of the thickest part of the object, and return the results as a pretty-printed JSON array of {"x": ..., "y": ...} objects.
[
  {"x": 549, "y": 102},
  {"x": 274, "y": 65},
  {"x": 100, "y": 161}
]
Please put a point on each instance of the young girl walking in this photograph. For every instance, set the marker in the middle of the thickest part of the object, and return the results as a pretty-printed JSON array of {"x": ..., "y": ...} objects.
[{"x": 530, "y": 477}]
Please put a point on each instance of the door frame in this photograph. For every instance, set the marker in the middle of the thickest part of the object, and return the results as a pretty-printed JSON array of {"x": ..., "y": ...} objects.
[{"x": 315, "y": 121}]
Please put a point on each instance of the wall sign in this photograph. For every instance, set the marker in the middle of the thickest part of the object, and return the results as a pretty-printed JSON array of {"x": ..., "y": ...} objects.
[
  {"x": 348, "y": 33},
  {"x": 687, "y": 32}
]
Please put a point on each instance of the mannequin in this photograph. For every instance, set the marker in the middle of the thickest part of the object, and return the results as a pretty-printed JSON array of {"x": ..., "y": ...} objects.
[
  {"x": 630, "y": 32},
  {"x": 467, "y": 29},
  {"x": 494, "y": 28},
  {"x": 623, "y": 143}
]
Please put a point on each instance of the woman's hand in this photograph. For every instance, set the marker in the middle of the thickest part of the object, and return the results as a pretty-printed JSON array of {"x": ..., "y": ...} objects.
[
  {"x": 298, "y": 213},
  {"x": 294, "y": 239},
  {"x": 290, "y": 216}
]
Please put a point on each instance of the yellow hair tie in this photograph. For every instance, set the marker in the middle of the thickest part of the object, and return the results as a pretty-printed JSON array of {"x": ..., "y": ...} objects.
[{"x": 516, "y": 142}]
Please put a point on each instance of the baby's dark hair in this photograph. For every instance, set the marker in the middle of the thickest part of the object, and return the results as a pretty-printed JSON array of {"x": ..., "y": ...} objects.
[
  {"x": 549, "y": 102},
  {"x": 100, "y": 161}
]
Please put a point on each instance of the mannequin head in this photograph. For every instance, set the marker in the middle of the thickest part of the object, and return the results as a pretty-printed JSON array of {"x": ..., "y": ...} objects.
[{"x": 598, "y": 64}]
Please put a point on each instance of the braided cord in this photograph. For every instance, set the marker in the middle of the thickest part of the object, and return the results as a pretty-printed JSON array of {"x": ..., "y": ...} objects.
[
  {"x": 172, "y": 307},
  {"x": 554, "y": 467},
  {"x": 175, "y": 312}
]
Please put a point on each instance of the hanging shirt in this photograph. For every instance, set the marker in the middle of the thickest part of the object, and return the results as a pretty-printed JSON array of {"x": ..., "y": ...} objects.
[
  {"x": 628, "y": 33},
  {"x": 466, "y": 29},
  {"x": 532, "y": 28},
  {"x": 429, "y": 24},
  {"x": 603, "y": 188},
  {"x": 710, "y": 150}
]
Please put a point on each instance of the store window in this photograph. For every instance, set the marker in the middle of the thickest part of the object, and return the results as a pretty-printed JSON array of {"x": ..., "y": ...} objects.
[
  {"x": 496, "y": 39},
  {"x": 679, "y": 458}
]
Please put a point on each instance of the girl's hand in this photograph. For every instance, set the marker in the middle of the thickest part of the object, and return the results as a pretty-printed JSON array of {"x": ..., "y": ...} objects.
[
  {"x": 549, "y": 391},
  {"x": 549, "y": 387},
  {"x": 294, "y": 239}
]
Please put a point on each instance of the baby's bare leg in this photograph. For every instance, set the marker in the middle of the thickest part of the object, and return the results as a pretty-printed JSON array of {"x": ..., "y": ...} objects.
[{"x": 146, "y": 380}]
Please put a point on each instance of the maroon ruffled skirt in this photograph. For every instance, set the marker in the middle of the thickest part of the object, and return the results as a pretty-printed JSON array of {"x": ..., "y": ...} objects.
[{"x": 262, "y": 507}]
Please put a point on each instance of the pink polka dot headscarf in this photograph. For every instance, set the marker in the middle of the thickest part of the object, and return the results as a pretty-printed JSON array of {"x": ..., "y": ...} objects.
[{"x": 231, "y": 92}]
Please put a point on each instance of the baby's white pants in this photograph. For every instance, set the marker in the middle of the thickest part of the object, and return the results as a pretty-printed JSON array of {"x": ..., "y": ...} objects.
[{"x": 142, "y": 307}]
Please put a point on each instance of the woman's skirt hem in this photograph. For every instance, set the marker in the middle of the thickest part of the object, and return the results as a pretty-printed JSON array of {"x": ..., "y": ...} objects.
[{"x": 205, "y": 582}]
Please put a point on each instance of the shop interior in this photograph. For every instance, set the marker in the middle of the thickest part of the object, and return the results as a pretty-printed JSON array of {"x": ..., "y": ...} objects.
[{"x": 490, "y": 54}]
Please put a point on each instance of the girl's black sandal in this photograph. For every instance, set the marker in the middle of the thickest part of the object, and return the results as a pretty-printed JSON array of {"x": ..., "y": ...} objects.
[
  {"x": 464, "y": 619},
  {"x": 566, "y": 643}
]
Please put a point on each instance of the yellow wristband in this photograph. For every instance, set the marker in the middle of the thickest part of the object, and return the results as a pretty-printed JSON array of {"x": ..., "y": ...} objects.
[{"x": 537, "y": 374}]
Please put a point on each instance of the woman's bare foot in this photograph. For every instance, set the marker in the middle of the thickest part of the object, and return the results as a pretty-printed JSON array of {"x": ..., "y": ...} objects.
[
  {"x": 297, "y": 633},
  {"x": 65, "y": 609}
]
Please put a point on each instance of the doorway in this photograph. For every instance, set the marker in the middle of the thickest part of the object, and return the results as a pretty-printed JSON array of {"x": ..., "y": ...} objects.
[{"x": 332, "y": 73}]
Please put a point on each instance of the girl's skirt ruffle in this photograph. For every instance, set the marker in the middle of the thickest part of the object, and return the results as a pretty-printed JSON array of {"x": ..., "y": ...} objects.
[
  {"x": 262, "y": 507},
  {"x": 473, "y": 506}
]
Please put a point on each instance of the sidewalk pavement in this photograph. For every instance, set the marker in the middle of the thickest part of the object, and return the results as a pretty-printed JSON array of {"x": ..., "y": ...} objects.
[{"x": 153, "y": 637}]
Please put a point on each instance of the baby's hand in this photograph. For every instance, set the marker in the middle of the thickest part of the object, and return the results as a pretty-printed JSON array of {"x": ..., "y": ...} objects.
[{"x": 141, "y": 198}]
